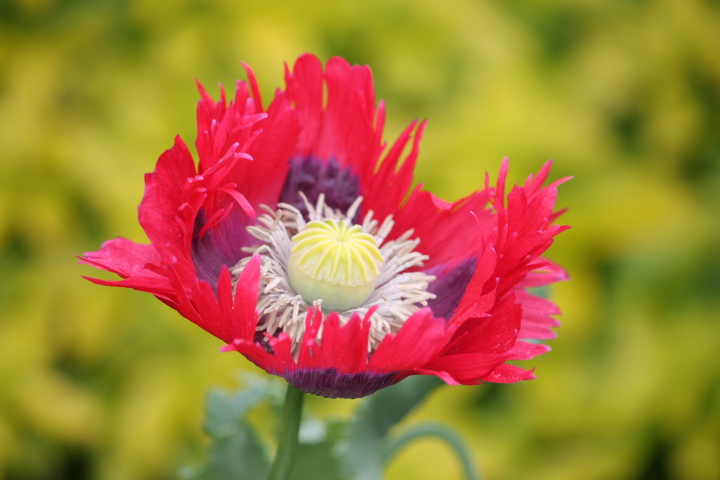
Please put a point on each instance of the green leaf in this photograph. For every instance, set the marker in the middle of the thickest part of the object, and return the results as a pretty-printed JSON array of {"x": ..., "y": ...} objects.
[
  {"x": 236, "y": 451},
  {"x": 327, "y": 450},
  {"x": 318, "y": 455},
  {"x": 363, "y": 451}
]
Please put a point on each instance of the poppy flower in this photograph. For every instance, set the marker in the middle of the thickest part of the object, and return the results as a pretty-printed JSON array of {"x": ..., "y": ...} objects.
[{"x": 300, "y": 241}]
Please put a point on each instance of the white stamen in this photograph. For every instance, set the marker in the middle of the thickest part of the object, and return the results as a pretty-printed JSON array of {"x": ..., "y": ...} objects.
[{"x": 398, "y": 293}]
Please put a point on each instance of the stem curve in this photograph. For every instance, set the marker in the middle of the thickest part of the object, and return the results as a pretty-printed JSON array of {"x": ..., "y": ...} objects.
[{"x": 442, "y": 432}]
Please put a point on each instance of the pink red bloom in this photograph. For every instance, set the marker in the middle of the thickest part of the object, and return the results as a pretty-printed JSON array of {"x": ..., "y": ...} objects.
[{"x": 445, "y": 284}]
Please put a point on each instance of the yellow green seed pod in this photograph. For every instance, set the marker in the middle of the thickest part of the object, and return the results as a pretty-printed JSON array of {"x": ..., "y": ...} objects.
[{"x": 335, "y": 262}]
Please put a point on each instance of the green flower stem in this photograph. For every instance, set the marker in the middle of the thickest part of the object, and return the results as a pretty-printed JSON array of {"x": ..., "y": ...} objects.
[
  {"x": 442, "y": 432},
  {"x": 288, "y": 442}
]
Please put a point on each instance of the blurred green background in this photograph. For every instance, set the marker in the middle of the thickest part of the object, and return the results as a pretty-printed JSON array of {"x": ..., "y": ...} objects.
[{"x": 100, "y": 383}]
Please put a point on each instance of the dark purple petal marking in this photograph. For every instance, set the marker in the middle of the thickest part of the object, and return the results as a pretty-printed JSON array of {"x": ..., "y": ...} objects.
[
  {"x": 208, "y": 260},
  {"x": 221, "y": 245},
  {"x": 312, "y": 177},
  {"x": 450, "y": 288},
  {"x": 332, "y": 384}
]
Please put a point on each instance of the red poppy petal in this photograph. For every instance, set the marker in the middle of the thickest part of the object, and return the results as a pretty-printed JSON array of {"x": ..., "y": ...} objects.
[
  {"x": 343, "y": 347},
  {"x": 478, "y": 300},
  {"x": 468, "y": 368},
  {"x": 304, "y": 87},
  {"x": 384, "y": 190},
  {"x": 505, "y": 373},
  {"x": 526, "y": 350},
  {"x": 418, "y": 341},
  {"x": 123, "y": 257},
  {"x": 494, "y": 333},
  {"x": 158, "y": 211},
  {"x": 450, "y": 232},
  {"x": 347, "y": 132},
  {"x": 546, "y": 273}
]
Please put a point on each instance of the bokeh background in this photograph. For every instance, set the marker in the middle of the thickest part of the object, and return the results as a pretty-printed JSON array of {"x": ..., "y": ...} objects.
[{"x": 100, "y": 383}]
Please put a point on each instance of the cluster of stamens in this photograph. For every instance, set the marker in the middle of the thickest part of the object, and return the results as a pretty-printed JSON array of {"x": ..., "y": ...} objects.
[{"x": 328, "y": 263}]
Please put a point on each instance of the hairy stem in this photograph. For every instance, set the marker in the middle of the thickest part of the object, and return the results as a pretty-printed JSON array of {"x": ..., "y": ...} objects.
[{"x": 288, "y": 442}]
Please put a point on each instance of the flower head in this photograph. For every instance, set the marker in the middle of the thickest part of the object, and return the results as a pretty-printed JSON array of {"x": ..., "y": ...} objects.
[{"x": 299, "y": 241}]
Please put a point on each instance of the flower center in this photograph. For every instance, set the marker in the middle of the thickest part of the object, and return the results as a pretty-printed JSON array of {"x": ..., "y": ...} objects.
[
  {"x": 321, "y": 260},
  {"x": 334, "y": 262}
]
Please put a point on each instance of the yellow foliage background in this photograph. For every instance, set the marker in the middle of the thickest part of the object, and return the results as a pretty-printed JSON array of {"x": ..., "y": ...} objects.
[{"x": 100, "y": 383}]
